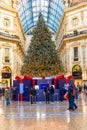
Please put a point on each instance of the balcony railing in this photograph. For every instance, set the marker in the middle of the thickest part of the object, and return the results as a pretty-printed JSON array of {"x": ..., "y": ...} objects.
[
  {"x": 75, "y": 34},
  {"x": 78, "y": 2},
  {"x": 9, "y": 35}
]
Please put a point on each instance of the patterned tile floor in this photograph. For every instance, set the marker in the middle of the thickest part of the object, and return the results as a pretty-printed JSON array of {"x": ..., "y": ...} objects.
[{"x": 41, "y": 116}]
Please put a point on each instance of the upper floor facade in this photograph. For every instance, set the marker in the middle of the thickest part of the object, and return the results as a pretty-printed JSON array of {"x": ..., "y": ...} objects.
[
  {"x": 12, "y": 44},
  {"x": 71, "y": 40}
]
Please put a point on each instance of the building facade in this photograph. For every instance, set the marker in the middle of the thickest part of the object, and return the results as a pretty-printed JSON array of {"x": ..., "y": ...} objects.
[
  {"x": 12, "y": 42},
  {"x": 71, "y": 41}
]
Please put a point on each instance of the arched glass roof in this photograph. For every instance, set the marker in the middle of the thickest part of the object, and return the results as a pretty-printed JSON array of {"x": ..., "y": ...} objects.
[{"x": 52, "y": 11}]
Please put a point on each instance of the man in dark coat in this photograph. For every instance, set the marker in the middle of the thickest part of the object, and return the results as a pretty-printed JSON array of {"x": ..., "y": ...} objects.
[
  {"x": 71, "y": 98},
  {"x": 33, "y": 95},
  {"x": 47, "y": 95},
  {"x": 61, "y": 92},
  {"x": 52, "y": 93}
]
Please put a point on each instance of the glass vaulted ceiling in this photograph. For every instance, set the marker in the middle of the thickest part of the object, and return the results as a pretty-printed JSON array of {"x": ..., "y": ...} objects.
[{"x": 52, "y": 11}]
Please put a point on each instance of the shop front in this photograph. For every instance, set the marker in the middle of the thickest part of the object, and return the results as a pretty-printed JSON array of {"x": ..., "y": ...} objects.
[{"x": 77, "y": 74}]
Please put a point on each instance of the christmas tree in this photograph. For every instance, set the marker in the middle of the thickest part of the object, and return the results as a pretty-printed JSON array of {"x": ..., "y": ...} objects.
[{"x": 42, "y": 58}]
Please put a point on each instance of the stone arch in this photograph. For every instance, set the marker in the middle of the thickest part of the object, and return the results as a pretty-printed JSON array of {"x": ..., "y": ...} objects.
[
  {"x": 77, "y": 70},
  {"x": 6, "y": 69},
  {"x": 6, "y": 75}
]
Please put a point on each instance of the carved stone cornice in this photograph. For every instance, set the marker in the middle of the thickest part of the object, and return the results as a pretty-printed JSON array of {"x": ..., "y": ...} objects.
[{"x": 76, "y": 62}]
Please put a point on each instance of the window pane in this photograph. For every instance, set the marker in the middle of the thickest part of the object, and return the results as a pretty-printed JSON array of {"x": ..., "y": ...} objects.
[
  {"x": 75, "y": 52},
  {"x": 6, "y": 51}
]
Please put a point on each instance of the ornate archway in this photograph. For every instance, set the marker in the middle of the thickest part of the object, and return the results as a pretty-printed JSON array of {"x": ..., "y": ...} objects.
[
  {"x": 6, "y": 76},
  {"x": 77, "y": 74},
  {"x": 77, "y": 71}
]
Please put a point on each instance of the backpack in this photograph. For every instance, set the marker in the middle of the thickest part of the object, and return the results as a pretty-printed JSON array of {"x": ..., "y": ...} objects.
[
  {"x": 66, "y": 95},
  {"x": 74, "y": 92}
]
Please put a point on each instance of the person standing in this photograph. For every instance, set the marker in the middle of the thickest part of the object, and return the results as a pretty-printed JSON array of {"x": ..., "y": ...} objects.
[
  {"x": 32, "y": 95},
  {"x": 52, "y": 93},
  {"x": 7, "y": 97},
  {"x": 61, "y": 93},
  {"x": 0, "y": 92},
  {"x": 79, "y": 88},
  {"x": 47, "y": 95},
  {"x": 3, "y": 91},
  {"x": 14, "y": 93},
  {"x": 84, "y": 88}
]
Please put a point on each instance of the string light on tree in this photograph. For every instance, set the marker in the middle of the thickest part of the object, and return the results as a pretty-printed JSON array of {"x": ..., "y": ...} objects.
[{"x": 42, "y": 58}]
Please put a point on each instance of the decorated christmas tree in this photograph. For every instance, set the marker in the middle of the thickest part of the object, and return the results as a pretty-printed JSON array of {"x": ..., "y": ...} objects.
[{"x": 42, "y": 58}]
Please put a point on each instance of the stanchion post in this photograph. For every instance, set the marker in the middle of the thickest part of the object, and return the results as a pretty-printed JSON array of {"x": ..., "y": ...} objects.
[{"x": 21, "y": 97}]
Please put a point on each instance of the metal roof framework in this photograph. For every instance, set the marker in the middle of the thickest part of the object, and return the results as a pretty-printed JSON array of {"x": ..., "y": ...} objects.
[{"x": 51, "y": 10}]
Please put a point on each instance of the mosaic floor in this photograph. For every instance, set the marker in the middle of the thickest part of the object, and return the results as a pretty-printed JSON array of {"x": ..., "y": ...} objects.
[{"x": 41, "y": 116}]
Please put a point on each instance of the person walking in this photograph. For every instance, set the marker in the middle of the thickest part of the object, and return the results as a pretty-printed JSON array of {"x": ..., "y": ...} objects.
[{"x": 71, "y": 97}]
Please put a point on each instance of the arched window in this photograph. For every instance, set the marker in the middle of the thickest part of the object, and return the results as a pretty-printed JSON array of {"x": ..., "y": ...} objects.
[
  {"x": 6, "y": 69},
  {"x": 76, "y": 70}
]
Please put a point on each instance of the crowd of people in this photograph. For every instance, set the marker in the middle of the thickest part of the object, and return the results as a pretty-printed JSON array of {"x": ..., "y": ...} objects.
[{"x": 48, "y": 94}]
